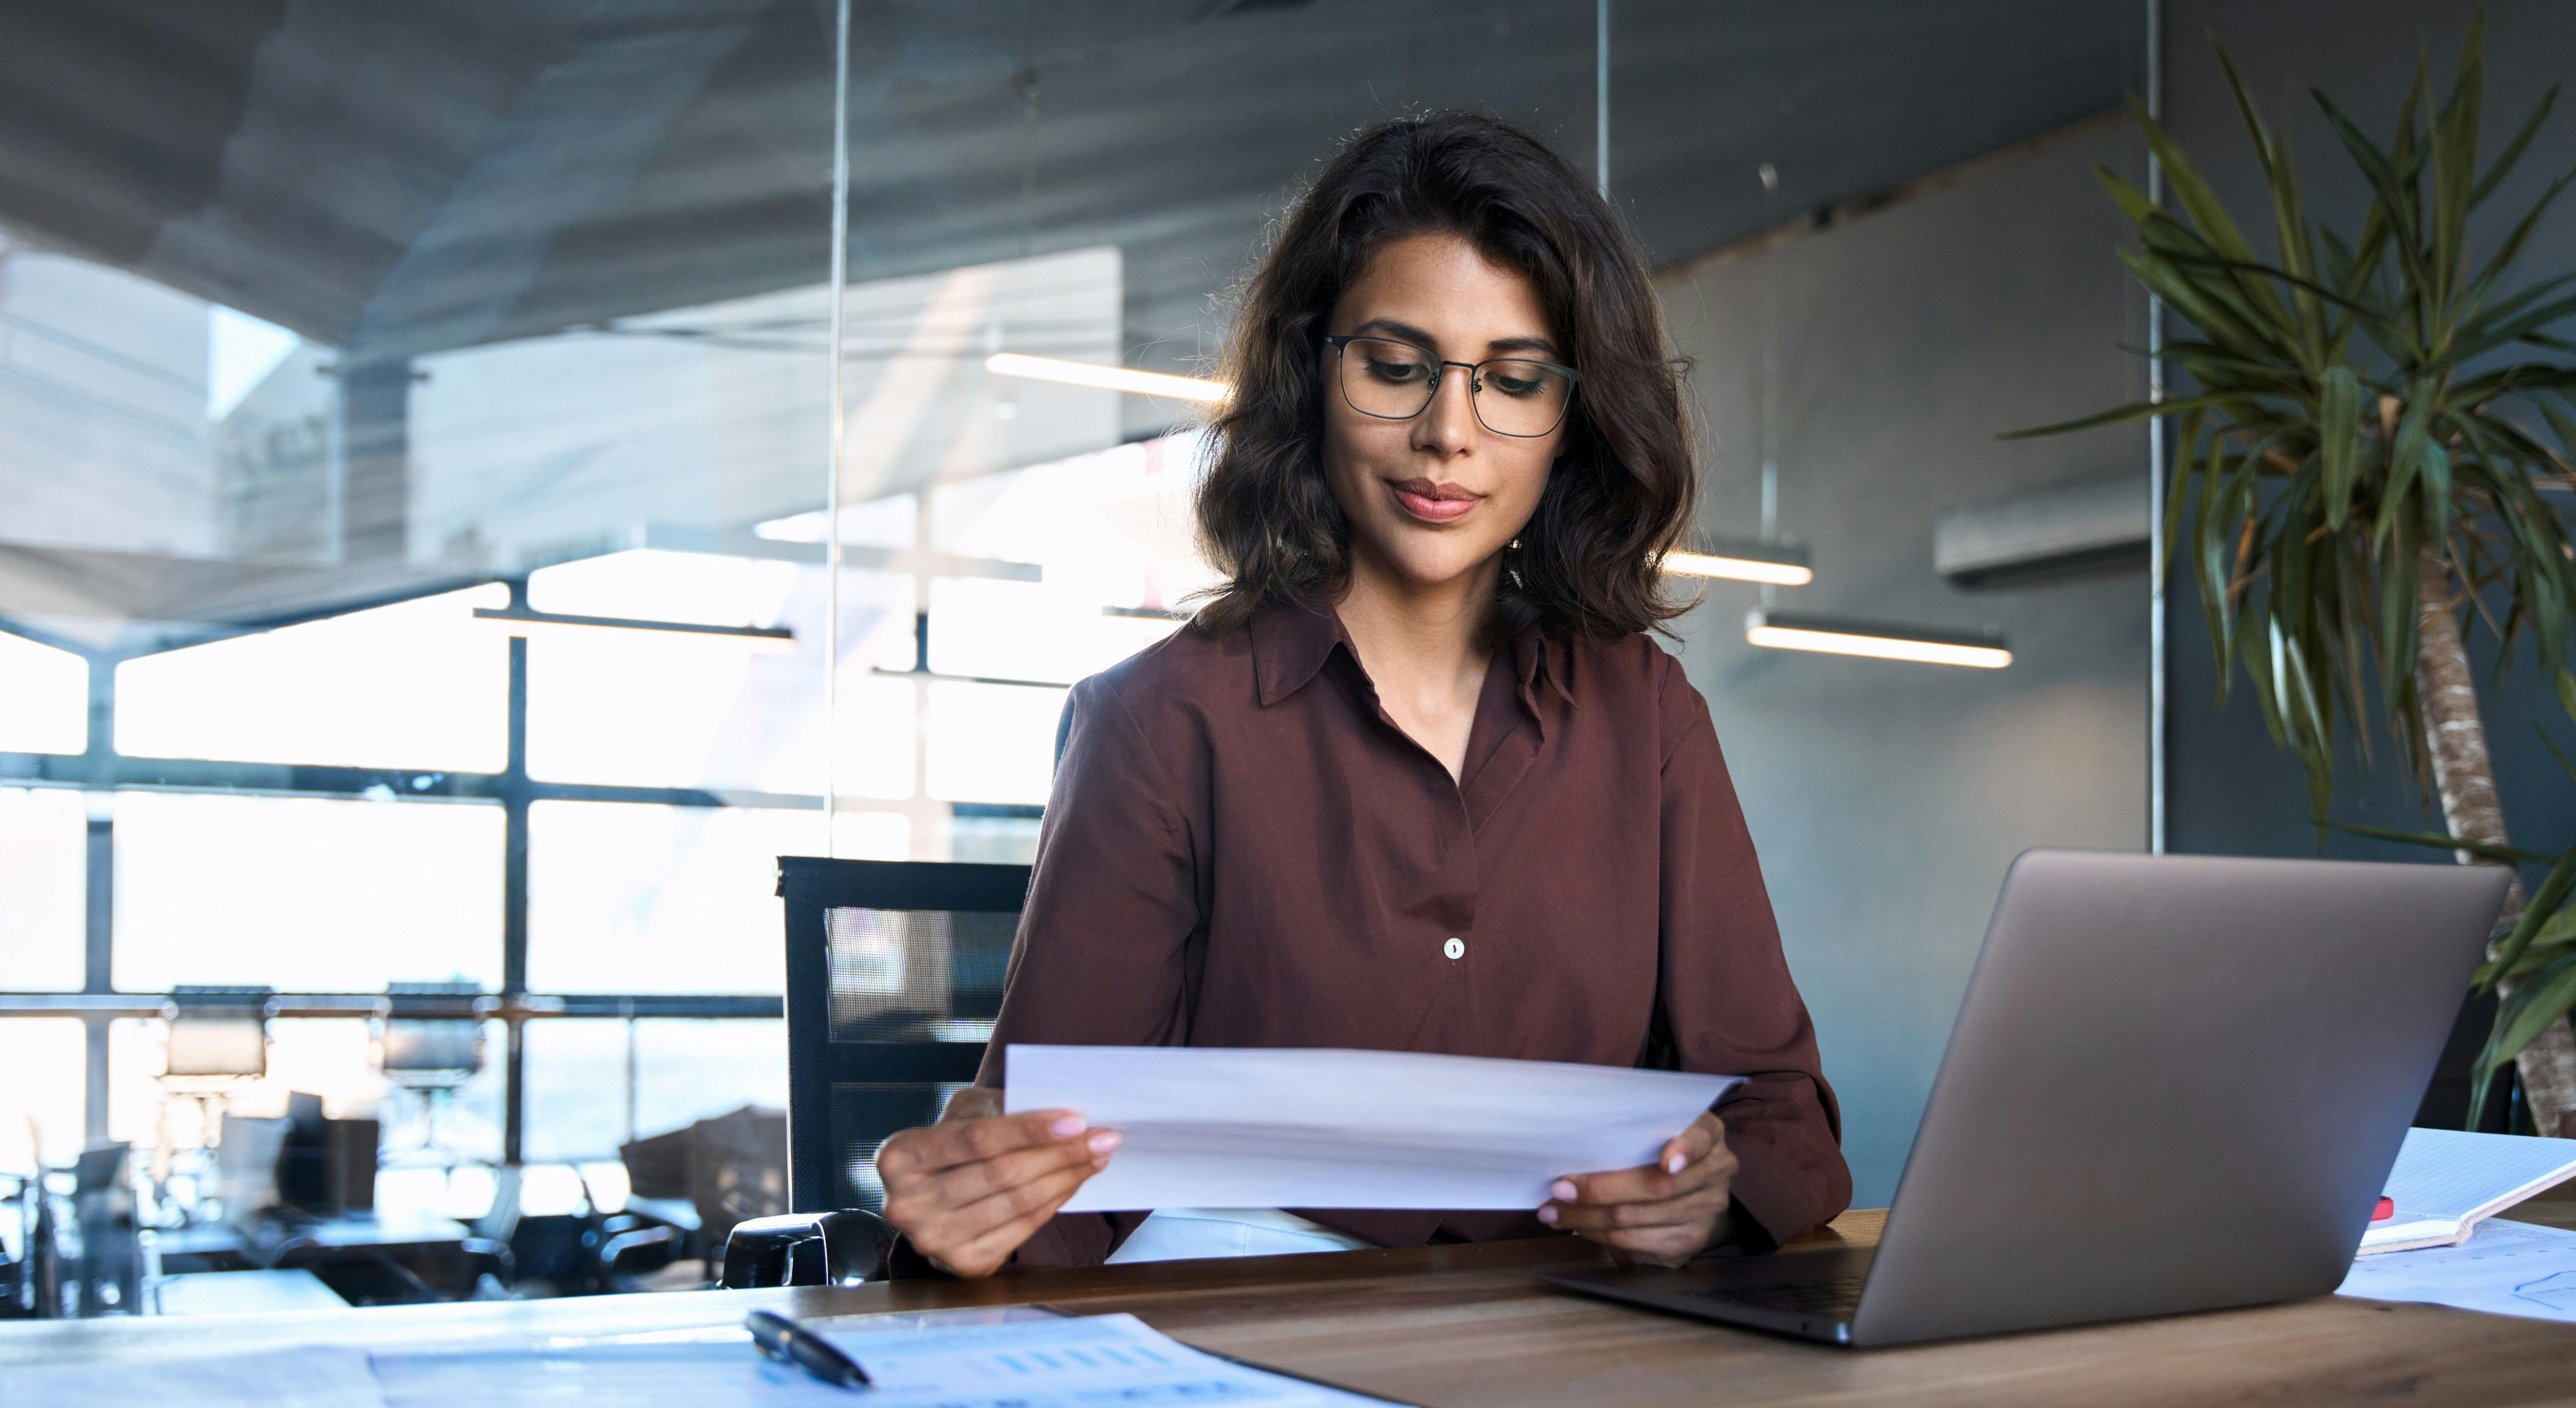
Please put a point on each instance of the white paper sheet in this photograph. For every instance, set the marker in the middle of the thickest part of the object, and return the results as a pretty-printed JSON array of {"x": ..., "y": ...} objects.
[
  {"x": 1232, "y": 1128},
  {"x": 1077, "y": 1362},
  {"x": 648, "y": 1369},
  {"x": 304, "y": 1376},
  {"x": 724, "y": 1370},
  {"x": 2505, "y": 1268}
]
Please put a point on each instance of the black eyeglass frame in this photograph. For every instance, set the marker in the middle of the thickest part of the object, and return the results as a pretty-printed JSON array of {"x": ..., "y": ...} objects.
[{"x": 1341, "y": 344}]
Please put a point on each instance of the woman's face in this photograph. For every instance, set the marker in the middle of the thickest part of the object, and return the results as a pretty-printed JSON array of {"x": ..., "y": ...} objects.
[{"x": 1435, "y": 498}]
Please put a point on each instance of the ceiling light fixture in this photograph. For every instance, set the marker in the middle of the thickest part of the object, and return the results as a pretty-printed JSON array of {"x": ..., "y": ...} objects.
[
  {"x": 1187, "y": 388},
  {"x": 1831, "y": 635},
  {"x": 1772, "y": 564},
  {"x": 760, "y": 640}
]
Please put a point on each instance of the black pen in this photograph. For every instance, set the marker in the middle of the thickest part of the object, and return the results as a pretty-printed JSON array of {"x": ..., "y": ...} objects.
[{"x": 787, "y": 1342}]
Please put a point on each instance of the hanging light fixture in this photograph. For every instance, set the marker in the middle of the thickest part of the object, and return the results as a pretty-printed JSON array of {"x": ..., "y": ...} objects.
[
  {"x": 1835, "y": 635},
  {"x": 1775, "y": 629},
  {"x": 1772, "y": 564},
  {"x": 521, "y": 621},
  {"x": 1071, "y": 373}
]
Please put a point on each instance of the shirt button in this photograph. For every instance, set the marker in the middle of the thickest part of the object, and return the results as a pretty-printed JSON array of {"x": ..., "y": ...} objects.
[{"x": 1455, "y": 948}]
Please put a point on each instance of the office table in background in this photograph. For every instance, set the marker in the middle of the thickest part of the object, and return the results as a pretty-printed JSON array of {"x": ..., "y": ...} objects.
[{"x": 1471, "y": 1325}]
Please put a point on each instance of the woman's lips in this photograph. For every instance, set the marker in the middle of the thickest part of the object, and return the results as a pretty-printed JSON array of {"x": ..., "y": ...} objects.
[{"x": 1434, "y": 503}]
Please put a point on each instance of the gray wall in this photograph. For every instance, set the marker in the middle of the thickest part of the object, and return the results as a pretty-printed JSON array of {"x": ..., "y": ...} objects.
[
  {"x": 2232, "y": 791},
  {"x": 1886, "y": 798}
]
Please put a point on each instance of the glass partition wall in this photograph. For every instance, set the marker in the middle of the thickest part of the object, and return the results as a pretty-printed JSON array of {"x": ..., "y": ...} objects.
[
  {"x": 387, "y": 404},
  {"x": 432, "y": 551},
  {"x": 1048, "y": 205}
]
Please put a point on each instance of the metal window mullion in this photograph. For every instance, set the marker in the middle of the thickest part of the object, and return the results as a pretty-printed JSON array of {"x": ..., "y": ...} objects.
[
  {"x": 834, "y": 430},
  {"x": 98, "y": 919},
  {"x": 515, "y": 799}
]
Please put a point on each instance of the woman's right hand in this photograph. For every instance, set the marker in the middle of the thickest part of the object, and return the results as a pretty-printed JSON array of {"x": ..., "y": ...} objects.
[{"x": 969, "y": 1189}]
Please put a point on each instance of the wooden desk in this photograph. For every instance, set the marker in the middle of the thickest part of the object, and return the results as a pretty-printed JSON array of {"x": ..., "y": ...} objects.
[{"x": 1469, "y": 1325}]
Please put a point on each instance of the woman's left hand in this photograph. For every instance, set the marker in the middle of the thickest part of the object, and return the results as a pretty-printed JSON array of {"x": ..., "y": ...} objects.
[{"x": 1664, "y": 1213}]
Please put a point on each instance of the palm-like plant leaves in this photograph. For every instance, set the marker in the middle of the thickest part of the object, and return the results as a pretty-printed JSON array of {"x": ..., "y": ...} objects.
[
  {"x": 2348, "y": 425},
  {"x": 2537, "y": 955},
  {"x": 2338, "y": 433}
]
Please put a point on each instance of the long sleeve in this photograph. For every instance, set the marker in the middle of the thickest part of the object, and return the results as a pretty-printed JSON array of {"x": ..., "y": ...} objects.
[
  {"x": 1104, "y": 942},
  {"x": 1728, "y": 1004}
]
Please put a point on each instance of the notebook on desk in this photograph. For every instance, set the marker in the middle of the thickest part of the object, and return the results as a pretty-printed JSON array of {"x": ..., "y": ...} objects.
[{"x": 2446, "y": 1181}]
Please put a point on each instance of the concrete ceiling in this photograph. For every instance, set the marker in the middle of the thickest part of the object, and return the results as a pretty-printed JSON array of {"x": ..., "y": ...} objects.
[{"x": 396, "y": 179}]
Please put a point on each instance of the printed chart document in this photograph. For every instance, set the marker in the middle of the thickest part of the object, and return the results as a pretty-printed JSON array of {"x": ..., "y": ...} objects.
[
  {"x": 1221, "y": 1127},
  {"x": 2504, "y": 1268},
  {"x": 1076, "y": 1362},
  {"x": 2447, "y": 1179}
]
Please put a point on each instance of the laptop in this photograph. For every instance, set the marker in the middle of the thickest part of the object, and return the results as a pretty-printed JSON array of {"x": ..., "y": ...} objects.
[{"x": 2177, "y": 1083}]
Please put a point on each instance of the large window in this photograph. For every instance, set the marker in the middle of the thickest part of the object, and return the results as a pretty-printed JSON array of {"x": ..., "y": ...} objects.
[
  {"x": 44, "y": 840},
  {"x": 505, "y": 754},
  {"x": 45, "y": 709},
  {"x": 644, "y": 897},
  {"x": 418, "y": 685},
  {"x": 416, "y": 550},
  {"x": 306, "y": 894}
]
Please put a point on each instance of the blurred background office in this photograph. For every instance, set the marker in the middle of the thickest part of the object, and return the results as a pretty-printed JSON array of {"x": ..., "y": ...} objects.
[{"x": 428, "y": 437}]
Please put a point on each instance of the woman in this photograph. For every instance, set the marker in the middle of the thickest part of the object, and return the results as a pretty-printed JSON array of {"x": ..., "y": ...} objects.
[{"x": 1417, "y": 779}]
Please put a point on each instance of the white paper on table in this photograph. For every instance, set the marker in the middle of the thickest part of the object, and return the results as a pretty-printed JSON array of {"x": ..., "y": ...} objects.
[
  {"x": 2505, "y": 1268},
  {"x": 720, "y": 1367},
  {"x": 1220, "y": 1127},
  {"x": 300, "y": 1376},
  {"x": 714, "y": 1364},
  {"x": 1075, "y": 1362}
]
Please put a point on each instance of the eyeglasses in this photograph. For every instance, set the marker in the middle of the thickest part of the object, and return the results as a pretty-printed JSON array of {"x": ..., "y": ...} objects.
[{"x": 1394, "y": 380}]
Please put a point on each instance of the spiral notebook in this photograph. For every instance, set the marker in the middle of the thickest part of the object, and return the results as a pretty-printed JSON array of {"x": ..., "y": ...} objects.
[{"x": 2447, "y": 1180}]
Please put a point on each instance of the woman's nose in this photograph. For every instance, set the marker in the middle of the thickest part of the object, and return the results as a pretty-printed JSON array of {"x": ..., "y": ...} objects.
[{"x": 1448, "y": 425}]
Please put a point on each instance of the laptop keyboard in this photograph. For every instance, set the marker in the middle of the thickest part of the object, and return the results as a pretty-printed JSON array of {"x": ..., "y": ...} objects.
[{"x": 1837, "y": 1297}]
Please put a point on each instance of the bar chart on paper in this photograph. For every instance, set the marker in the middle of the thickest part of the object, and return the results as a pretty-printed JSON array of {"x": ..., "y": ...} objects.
[{"x": 2504, "y": 1268}]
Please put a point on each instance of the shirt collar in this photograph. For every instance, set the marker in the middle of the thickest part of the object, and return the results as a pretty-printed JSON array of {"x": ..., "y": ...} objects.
[
  {"x": 1290, "y": 644},
  {"x": 1540, "y": 658}
]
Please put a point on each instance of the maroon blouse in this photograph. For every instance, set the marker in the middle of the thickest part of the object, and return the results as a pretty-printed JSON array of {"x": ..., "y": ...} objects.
[{"x": 1243, "y": 849}]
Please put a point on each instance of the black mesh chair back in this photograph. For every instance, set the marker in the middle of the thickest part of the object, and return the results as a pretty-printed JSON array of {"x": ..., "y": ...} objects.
[{"x": 894, "y": 976}]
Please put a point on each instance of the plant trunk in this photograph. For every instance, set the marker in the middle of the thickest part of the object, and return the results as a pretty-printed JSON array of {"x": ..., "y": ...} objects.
[{"x": 2456, "y": 738}]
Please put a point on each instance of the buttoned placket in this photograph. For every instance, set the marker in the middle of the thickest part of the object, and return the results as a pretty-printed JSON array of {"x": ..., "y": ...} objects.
[{"x": 1493, "y": 771}]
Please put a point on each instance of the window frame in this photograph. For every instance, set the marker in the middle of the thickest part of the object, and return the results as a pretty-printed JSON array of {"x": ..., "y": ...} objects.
[{"x": 103, "y": 770}]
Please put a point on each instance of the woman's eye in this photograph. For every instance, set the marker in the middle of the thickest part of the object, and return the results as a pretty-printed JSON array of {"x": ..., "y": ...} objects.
[
  {"x": 1516, "y": 386},
  {"x": 1398, "y": 372}
]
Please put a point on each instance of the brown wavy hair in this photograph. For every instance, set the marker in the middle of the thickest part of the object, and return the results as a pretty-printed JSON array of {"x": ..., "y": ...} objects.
[{"x": 1619, "y": 493}]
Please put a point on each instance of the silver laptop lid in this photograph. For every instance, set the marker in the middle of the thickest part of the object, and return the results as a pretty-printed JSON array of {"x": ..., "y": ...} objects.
[{"x": 2176, "y": 1083}]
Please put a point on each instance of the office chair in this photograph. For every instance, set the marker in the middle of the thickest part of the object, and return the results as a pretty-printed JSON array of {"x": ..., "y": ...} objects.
[
  {"x": 428, "y": 1045},
  {"x": 894, "y": 976},
  {"x": 217, "y": 1042}
]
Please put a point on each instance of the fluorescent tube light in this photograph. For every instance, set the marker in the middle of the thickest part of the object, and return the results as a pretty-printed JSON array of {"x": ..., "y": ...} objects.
[
  {"x": 1774, "y": 564},
  {"x": 1187, "y": 388},
  {"x": 762, "y": 640},
  {"x": 1830, "y": 635}
]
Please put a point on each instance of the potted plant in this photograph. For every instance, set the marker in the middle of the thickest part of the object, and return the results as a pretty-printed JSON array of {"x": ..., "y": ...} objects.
[{"x": 2358, "y": 467}]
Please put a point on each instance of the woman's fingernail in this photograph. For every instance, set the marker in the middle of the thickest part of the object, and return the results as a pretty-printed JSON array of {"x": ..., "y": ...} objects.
[
  {"x": 1547, "y": 1213},
  {"x": 1102, "y": 1141},
  {"x": 1564, "y": 1191},
  {"x": 1066, "y": 1126},
  {"x": 1674, "y": 1164}
]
